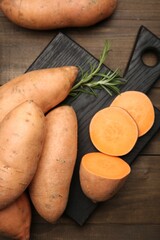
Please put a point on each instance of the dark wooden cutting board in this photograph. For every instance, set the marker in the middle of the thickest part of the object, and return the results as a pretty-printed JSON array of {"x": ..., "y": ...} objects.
[{"x": 64, "y": 51}]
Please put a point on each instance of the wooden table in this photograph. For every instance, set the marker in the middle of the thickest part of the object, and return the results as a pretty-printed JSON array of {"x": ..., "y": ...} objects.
[{"x": 134, "y": 213}]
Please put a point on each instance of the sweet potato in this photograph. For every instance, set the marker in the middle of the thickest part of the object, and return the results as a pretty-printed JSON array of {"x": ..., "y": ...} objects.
[
  {"x": 53, "y": 14},
  {"x": 46, "y": 87},
  {"x": 49, "y": 188},
  {"x": 101, "y": 176},
  {"x": 113, "y": 131},
  {"x": 21, "y": 140},
  {"x": 139, "y": 106},
  {"x": 15, "y": 220}
]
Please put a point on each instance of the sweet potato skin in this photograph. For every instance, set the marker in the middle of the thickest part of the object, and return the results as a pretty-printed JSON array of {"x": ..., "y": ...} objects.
[
  {"x": 91, "y": 184},
  {"x": 15, "y": 220},
  {"x": 46, "y": 87},
  {"x": 49, "y": 188},
  {"x": 53, "y": 14},
  {"x": 21, "y": 139}
]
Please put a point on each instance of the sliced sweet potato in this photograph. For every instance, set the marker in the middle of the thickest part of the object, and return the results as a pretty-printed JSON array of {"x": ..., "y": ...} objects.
[
  {"x": 139, "y": 106},
  {"x": 101, "y": 175},
  {"x": 113, "y": 131}
]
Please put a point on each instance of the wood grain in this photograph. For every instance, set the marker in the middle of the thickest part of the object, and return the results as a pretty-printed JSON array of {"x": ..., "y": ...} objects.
[{"x": 134, "y": 213}]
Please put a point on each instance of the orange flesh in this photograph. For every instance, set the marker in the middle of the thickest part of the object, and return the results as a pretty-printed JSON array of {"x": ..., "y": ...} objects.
[
  {"x": 139, "y": 106},
  {"x": 109, "y": 167},
  {"x": 113, "y": 131}
]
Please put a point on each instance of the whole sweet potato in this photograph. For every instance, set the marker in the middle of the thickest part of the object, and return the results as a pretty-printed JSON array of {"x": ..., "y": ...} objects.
[
  {"x": 50, "y": 186},
  {"x": 21, "y": 141},
  {"x": 46, "y": 87},
  {"x": 15, "y": 219},
  {"x": 53, "y": 14}
]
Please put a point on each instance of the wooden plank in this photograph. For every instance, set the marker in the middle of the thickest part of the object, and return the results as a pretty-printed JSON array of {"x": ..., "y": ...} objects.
[
  {"x": 95, "y": 232},
  {"x": 152, "y": 148}
]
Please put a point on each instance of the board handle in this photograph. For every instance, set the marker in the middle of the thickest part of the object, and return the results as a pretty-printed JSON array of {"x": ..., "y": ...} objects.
[{"x": 137, "y": 71}]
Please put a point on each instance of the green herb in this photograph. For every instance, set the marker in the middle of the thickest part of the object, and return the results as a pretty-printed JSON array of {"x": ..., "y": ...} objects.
[{"x": 109, "y": 81}]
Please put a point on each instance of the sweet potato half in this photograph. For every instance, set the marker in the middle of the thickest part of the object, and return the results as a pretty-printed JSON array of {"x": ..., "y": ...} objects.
[
  {"x": 53, "y": 14},
  {"x": 50, "y": 186},
  {"x": 101, "y": 176}
]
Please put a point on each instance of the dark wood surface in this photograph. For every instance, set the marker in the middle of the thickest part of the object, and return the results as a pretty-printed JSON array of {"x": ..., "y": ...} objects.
[{"x": 134, "y": 213}]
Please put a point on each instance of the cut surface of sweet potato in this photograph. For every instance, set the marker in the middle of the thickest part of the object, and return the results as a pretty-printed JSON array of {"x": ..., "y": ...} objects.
[
  {"x": 113, "y": 131},
  {"x": 105, "y": 166},
  {"x": 139, "y": 106},
  {"x": 101, "y": 175}
]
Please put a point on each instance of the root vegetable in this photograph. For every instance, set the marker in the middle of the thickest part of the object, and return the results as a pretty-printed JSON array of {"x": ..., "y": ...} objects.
[
  {"x": 21, "y": 141},
  {"x": 46, "y": 87},
  {"x": 113, "y": 131},
  {"x": 139, "y": 106},
  {"x": 102, "y": 176},
  {"x": 15, "y": 220},
  {"x": 53, "y": 14},
  {"x": 50, "y": 186}
]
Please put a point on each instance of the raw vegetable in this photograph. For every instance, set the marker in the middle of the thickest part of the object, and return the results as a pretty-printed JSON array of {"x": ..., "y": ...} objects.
[
  {"x": 21, "y": 142},
  {"x": 50, "y": 186},
  {"x": 139, "y": 106},
  {"x": 53, "y": 14},
  {"x": 46, "y": 87},
  {"x": 113, "y": 131},
  {"x": 101, "y": 176},
  {"x": 15, "y": 220}
]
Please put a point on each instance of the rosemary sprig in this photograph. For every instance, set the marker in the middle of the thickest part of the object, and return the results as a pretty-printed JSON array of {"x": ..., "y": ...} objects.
[{"x": 109, "y": 81}]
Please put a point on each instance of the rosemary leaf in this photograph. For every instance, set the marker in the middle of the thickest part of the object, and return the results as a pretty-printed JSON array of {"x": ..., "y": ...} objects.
[
  {"x": 107, "y": 90},
  {"x": 108, "y": 81}
]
